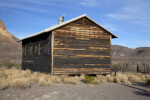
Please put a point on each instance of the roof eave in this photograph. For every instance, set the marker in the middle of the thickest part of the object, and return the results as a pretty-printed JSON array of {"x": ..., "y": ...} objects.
[
  {"x": 113, "y": 35},
  {"x": 64, "y": 23},
  {"x": 57, "y": 26}
]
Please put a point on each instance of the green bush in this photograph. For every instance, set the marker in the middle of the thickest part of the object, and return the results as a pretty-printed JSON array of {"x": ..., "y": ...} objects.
[
  {"x": 89, "y": 79},
  {"x": 147, "y": 81}
]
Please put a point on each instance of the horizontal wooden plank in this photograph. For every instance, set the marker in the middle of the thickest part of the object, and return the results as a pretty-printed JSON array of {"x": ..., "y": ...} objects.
[
  {"x": 29, "y": 61},
  {"x": 75, "y": 41},
  {"x": 81, "y": 60},
  {"x": 83, "y": 52},
  {"x": 81, "y": 70},
  {"x": 82, "y": 34},
  {"x": 82, "y": 56},
  {"x": 97, "y": 73},
  {"x": 81, "y": 65}
]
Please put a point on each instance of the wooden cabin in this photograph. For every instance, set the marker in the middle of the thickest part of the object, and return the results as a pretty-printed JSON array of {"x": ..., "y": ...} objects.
[{"x": 77, "y": 46}]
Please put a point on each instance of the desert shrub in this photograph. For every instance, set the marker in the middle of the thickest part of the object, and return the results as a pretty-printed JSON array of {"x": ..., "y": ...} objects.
[
  {"x": 89, "y": 79},
  {"x": 101, "y": 78},
  {"x": 109, "y": 78},
  {"x": 116, "y": 80},
  {"x": 13, "y": 78},
  {"x": 71, "y": 80},
  {"x": 44, "y": 81},
  {"x": 147, "y": 76},
  {"x": 82, "y": 77},
  {"x": 3, "y": 83},
  {"x": 95, "y": 81},
  {"x": 1, "y": 65},
  {"x": 8, "y": 64},
  {"x": 56, "y": 79},
  {"x": 147, "y": 81},
  {"x": 21, "y": 82},
  {"x": 18, "y": 66},
  {"x": 133, "y": 77},
  {"x": 122, "y": 77},
  {"x": 116, "y": 67},
  {"x": 26, "y": 73}
]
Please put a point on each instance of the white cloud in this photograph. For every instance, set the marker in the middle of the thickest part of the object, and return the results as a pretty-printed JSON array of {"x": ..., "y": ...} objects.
[
  {"x": 135, "y": 11},
  {"x": 110, "y": 27},
  {"x": 21, "y": 6},
  {"x": 53, "y": 3},
  {"x": 89, "y": 3},
  {"x": 31, "y": 5}
]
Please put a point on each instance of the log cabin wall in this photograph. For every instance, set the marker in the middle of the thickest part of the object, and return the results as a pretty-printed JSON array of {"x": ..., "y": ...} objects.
[
  {"x": 36, "y": 54},
  {"x": 81, "y": 47}
]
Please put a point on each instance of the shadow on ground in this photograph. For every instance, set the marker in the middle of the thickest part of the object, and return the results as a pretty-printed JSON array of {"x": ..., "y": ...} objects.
[{"x": 144, "y": 91}]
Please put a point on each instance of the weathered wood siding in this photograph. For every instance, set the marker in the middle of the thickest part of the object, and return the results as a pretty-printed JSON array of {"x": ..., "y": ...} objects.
[
  {"x": 81, "y": 47},
  {"x": 37, "y": 53}
]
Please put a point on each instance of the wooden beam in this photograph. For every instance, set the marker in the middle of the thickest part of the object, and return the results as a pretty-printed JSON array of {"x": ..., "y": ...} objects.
[
  {"x": 83, "y": 21},
  {"x": 110, "y": 39},
  {"x": 52, "y": 52},
  {"x": 81, "y": 70},
  {"x": 110, "y": 51}
]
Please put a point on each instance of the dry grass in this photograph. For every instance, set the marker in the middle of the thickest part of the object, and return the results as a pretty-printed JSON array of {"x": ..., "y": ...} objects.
[
  {"x": 133, "y": 77},
  {"x": 147, "y": 76},
  {"x": 72, "y": 80},
  {"x": 13, "y": 78},
  {"x": 122, "y": 78},
  {"x": 127, "y": 78}
]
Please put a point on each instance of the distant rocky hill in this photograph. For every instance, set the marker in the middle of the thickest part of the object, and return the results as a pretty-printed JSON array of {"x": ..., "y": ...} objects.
[
  {"x": 9, "y": 47},
  {"x": 124, "y": 53}
]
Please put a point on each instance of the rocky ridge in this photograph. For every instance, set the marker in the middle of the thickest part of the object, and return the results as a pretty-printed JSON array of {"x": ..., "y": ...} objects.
[{"x": 8, "y": 43}]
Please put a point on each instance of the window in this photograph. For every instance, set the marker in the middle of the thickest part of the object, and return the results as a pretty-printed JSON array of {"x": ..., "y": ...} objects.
[
  {"x": 42, "y": 47},
  {"x": 37, "y": 49},
  {"x": 46, "y": 47},
  {"x": 24, "y": 50},
  {"x": 30, "y": 50},
  {"x": 27, "y": 50}
]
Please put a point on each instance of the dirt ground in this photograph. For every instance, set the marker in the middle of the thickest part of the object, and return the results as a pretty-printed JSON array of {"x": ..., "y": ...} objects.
[{"x": 104, "y": 91}]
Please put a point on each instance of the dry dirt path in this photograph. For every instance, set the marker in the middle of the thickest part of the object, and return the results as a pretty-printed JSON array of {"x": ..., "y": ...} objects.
[{"x": 105, "y": 91}]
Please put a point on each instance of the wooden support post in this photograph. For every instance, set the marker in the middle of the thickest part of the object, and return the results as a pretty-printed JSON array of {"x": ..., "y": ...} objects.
[
  {"x": 110, "y": 53},
  {"x": 110, "y": 39},
  {"x": 83, "y": 21},
  {"x": 52, "y": 52}
]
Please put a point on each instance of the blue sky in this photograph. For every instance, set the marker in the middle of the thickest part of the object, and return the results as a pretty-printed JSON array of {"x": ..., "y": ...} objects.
[{"x": 128, "y": 19}]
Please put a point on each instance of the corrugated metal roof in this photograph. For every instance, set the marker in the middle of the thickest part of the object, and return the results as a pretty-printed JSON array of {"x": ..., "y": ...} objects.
[{"x": 64, "y": 23}]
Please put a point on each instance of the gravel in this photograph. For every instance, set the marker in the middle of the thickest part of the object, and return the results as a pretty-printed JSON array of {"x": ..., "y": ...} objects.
[{"x": 104, "y": 91}]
